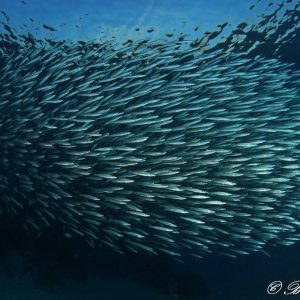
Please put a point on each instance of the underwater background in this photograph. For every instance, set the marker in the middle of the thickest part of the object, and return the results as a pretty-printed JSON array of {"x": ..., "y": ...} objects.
[{"x": 51, "y": 266}]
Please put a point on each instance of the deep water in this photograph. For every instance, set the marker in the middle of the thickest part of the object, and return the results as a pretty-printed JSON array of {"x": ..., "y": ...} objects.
[{"x": 53, "y": 267}]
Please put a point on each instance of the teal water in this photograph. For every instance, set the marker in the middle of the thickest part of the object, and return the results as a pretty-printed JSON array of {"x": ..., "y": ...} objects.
[{"x": 52, "y": 267}]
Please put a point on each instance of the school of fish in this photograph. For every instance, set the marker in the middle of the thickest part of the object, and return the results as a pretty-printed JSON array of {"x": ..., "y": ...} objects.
[{"x": 151, "y": 147}]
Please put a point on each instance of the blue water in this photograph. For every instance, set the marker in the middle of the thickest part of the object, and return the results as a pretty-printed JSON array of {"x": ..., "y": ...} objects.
[
  {"x": 50, "y": 268},
  {"x": 123, "y": 16}
]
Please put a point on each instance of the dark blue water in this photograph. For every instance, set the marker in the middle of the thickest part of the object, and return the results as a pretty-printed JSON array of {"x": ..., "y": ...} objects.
[{"x": 53, "y": 267}]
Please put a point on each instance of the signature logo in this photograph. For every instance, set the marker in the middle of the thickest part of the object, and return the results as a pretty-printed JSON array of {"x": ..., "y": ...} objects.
[{"x": 276, "y": 286}]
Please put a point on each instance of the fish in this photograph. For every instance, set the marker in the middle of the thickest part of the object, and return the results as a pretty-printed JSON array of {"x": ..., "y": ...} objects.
[{"x": 154, "y": 147}]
